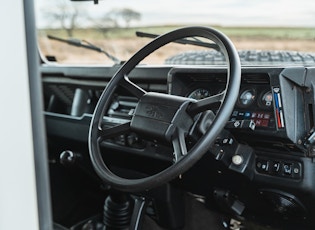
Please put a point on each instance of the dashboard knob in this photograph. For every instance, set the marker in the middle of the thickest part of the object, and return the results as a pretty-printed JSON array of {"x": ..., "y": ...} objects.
[
  {"x": 68, "y": 157},
  {"x": 237, "y": 159}
]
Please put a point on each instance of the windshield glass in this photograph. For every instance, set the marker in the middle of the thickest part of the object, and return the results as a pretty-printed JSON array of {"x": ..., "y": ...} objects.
[{"x": 81, "y": 32}]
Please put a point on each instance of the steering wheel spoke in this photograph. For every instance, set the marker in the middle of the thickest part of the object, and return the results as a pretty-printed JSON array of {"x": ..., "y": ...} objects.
[
  {"x": 179, "y": 147},
  {"x": 132, "y": 87},
  {"x": 206, "y": 104}
]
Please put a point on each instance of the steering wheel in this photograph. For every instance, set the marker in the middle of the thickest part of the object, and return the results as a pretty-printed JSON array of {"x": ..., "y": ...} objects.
[{"x": 164, "y": 117}]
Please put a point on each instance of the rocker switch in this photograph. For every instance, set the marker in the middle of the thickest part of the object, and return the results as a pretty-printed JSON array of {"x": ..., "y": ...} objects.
[
  {"x": 287, "y": 169},
  {"x": 262, "y": 165},
  {"x": 276, "y": 167}
]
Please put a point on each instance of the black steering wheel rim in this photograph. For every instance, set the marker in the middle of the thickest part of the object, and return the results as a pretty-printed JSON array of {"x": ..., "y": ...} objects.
[{"x": 203, "y": 144}]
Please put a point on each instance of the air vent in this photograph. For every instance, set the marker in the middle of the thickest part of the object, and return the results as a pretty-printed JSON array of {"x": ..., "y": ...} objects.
[
  {"x": 63, "y": 93},
  {"x": 70, "y": 100},
  {"x": 202, "y": 77},
  {"x": 255, "y": 78},
  {"x": 58, "y": 98}
]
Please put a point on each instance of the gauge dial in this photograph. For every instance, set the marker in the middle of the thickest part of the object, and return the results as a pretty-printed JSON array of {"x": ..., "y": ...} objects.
[
  {"x": 199, "y": 94},
  {"x": 266, "y": 99},
  {"x": 246, "y": 97}
]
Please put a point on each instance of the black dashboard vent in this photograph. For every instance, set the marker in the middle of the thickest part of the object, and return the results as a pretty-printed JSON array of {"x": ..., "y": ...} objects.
[
  {"x": 202, "y": 77},
  {"x": 63, "y": 92},
  {"x": 255, "y": 78}
]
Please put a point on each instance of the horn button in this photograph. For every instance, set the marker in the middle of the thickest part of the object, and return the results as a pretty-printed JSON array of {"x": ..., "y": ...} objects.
[{"x": 161, "y": 116}]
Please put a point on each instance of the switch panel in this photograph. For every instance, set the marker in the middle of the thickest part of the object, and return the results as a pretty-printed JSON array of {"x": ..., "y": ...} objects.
[{"x": 277, "y": 167}]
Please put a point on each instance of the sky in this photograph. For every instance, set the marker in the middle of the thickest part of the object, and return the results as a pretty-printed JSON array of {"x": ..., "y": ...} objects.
[{"x": 211, "y": 12}]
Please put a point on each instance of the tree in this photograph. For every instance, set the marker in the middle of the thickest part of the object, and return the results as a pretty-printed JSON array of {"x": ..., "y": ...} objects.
[
  {"x": 104, "y": 24},
  {"x": 67, "y": 15},
  {"x": 68, "y": 19},
  {"x": 125, "y": 14}
]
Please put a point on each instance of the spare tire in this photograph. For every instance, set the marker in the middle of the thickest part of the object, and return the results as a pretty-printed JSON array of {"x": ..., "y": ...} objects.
[{"x": 248, "y": 57}]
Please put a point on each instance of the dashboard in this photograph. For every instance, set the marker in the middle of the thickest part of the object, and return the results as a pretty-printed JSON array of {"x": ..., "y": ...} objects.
[
  {"x": 271, "y": 128},
  {"x": 269, "y": 99}
]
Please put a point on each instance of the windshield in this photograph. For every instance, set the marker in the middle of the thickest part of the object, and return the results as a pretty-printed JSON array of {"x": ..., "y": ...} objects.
[{"x": 81, "y": 32}]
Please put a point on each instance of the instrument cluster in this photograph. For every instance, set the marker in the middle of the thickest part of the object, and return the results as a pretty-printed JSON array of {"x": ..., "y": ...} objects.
[
  {"x": 255, "y": 102},
  {"x": 258, "y": 100}
]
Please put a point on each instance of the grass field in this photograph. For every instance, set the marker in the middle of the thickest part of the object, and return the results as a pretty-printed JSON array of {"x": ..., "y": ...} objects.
[
  {"x": 248, "y": 32},
  {"x": 122, "y": 42}
]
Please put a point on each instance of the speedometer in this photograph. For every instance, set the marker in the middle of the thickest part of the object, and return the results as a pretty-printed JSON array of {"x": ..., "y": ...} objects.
[
  {"x": 199, "y": 94},
  {"x": 247, "y": 97}
]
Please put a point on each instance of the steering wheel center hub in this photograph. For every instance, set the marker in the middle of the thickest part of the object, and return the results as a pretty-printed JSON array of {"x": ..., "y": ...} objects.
[{"x": 159, "y": 116}]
